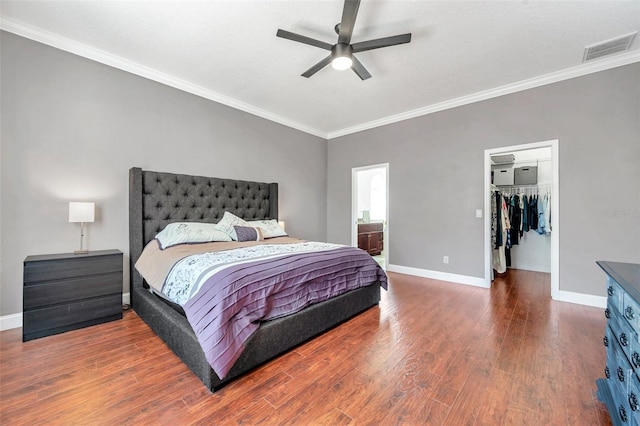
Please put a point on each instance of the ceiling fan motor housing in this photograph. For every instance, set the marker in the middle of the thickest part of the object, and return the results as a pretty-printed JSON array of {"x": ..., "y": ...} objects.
[{"x": 341, "y": 49}]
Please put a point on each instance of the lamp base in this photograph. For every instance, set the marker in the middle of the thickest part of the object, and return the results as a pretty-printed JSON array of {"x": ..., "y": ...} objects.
[{"x": 81, "y": 252}]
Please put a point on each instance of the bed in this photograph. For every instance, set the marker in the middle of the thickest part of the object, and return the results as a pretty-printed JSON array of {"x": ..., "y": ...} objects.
[{"x": 157, "y": 199}]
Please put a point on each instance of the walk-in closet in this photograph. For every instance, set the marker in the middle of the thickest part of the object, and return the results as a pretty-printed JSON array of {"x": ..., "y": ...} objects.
[{"x": 521, "y": 192}]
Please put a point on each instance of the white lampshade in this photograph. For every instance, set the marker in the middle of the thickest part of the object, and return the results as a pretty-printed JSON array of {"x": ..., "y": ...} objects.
[{"x": 81, "y": 212}]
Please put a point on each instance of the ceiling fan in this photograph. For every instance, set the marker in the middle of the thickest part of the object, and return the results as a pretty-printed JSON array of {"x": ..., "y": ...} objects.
[{"x": 341, "y": 57}]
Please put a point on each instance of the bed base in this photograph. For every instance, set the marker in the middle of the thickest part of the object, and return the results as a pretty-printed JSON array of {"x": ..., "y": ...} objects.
[{"x": 273, "y": 338}]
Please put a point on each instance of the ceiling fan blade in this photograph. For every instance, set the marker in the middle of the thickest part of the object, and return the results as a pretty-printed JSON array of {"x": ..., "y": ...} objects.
[
  {"x": 317, "y": 67},
  {"x": 359, "y": 69},
  {"x": 348, "y": 20},
  {"x": 381, "y": 42},
  {"x": 303, "y": 39}
]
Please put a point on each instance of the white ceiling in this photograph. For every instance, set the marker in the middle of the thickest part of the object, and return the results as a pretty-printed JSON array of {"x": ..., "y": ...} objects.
[{"x": 227, "y": 51}]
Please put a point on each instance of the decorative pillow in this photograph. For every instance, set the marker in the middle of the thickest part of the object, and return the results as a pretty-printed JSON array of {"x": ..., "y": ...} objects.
[
  {"x": 248, "y": 233},
  {"x": 228, "y": 221},
  {"x": 189, "y": 233},
  {"x": 269, "y": 227}
]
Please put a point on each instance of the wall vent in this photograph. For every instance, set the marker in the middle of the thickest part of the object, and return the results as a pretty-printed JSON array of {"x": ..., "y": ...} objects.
[{"x": 608, "y": 47}]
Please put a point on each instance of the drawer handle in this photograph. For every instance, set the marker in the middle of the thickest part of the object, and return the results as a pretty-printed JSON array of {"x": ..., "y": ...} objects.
[
  {"x": 623, "y": 339},
  {"x": 607, "y": 373},
  {"x": 635, "y": 359},
  {"x": 620, "y": 374},
  {"x": 633, "y": 402},
  {"x": 623, "y": 414},
  {"x": 607, "y": 313},
  {"x": 629, "y": 313},
  {"x": 605, "y": 340},
  {"x": 610, "y": 290}
]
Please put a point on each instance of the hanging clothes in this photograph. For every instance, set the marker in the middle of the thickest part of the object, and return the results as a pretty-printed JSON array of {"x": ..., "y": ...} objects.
[
  {"x": 540, "y": 230},
  {"x": 513, "y": 215},
  {"x": 494, "y": 220},
  {"x": 533, "y": 212},
  {"x": 525, "y": 213},
  {"x": 547, "y": 213},
  {"x": 515, "y": 218},
  {"x": 499, "y": 258}
]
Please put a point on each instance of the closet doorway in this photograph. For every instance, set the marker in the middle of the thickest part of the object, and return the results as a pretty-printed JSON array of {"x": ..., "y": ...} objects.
[
  {"x": 370, "y": 211},
  {"x": 521, "y": 165}
]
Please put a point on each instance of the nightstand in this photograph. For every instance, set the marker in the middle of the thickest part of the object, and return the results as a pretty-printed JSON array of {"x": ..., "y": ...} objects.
[{"x": 67, "y": 291}]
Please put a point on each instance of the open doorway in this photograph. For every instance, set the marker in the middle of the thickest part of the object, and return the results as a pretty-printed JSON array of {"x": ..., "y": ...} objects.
[
  {"x": 370, "y": 211},
  {"x": 550, "y": 188}
]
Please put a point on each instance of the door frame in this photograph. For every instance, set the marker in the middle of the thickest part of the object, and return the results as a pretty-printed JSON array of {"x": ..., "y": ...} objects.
[
  {"x": 354, "y": 205},
  {"x": 555, "y": 208}
]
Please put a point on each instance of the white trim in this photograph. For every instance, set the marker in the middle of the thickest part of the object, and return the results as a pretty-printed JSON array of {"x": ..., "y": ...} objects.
[
  {"x": 555, "y": 208},
  {"x": 437, "y": 275},
  {"x": 581, "y": 299},
  {"x": 8, "y": 322},
  {"x": 554, "y": 77},
  {"x": 354, "y": 206},
  {"x": 86, "y": 51},
  {"x": 561, "y": 296}
]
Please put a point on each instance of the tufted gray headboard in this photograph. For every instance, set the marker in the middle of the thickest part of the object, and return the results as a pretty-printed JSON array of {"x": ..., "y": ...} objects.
[{"x": 157, "y": 199}]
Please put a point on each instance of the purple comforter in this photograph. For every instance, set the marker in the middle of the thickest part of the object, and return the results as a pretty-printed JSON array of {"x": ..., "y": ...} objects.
[{"x": 230, "y": 305}]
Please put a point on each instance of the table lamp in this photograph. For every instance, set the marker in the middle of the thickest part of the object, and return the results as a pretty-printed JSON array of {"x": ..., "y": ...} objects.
[{"x": 81, "y": 212}]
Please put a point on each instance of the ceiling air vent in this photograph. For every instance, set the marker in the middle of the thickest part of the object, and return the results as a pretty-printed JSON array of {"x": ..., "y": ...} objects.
[{"x": 615, "y": 45}]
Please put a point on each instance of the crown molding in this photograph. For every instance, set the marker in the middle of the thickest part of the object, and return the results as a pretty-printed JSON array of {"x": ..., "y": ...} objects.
[
  {"x": 86, "y": 51},
  {"x": 554, "y": 77},
  {"x": 89, "y": 52}
]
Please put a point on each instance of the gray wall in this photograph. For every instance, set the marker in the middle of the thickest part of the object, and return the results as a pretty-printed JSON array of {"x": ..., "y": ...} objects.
[
  {"x": 436, "y": 175},
  {"x": 72, "y": 128}
]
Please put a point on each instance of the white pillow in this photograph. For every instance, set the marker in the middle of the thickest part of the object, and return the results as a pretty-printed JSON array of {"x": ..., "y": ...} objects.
[
  {"x": 189, "y": 233},
  {"x": 227, "y": 223},
  {"x": 269, "y": 227}
]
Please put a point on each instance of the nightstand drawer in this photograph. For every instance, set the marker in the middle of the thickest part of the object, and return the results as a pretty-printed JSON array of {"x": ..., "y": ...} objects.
[
  {"x": 68, "y": 290},
  {"x": 60, "y": 318},
  {"x": 71, "y": 267}
]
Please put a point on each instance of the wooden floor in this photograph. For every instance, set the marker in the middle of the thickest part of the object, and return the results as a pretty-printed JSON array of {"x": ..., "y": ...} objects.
[{"x": 432, "y": 353}]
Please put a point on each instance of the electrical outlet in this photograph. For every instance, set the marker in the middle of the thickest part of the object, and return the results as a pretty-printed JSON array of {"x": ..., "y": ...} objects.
[{"x": 445, "y": 259}]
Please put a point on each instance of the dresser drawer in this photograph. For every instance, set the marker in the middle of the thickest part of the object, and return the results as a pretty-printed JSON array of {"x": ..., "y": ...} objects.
[
  {"x": 59, "y": 269},
  {"x": 625, "y": 336},
  {"x": 73, "y": 314},
  {"x": 615, "y": 295},
  {"x": 620, "y": 383},
  {"x": 633, "y": 400},
  {"x": 631, "y": 311},
  {"x": 68, "y": 290}
]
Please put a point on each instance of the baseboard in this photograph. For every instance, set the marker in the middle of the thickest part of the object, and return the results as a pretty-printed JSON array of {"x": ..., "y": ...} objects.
[
  {"x": 561, "y": 296},
  {"x": 581, "y": 299},
  {"x": 437, "y": 275},
  {"x": 8, "y": 322}
]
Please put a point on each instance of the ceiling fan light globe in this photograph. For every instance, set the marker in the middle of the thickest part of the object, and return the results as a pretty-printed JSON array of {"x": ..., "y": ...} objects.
[{"x": 341, "y": 63}]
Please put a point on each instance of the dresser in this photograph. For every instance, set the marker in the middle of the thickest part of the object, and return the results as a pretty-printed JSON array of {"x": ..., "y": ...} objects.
[
  {"x": 371, "y": 237},
  {"x": 620, "y": 389},
  {"x": 67, "y": 291}
]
